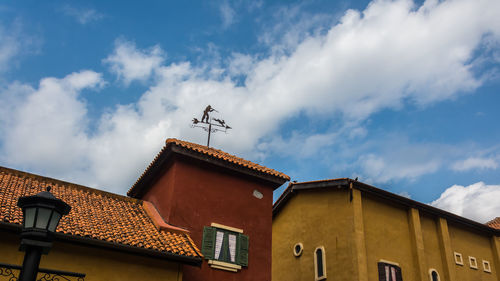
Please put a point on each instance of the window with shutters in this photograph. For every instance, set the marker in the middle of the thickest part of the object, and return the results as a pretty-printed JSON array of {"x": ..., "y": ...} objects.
[
  {"x": 225, "y": 247},
  {"x": 389, "y": 271},
  {"x": 319, "y": 264}
]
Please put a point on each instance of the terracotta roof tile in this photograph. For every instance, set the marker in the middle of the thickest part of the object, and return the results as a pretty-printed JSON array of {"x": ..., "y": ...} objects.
[
  {"x": 214, "y": 153},
  {"x": 494, "y": 223},
  {"x": 94, "y": 214}
]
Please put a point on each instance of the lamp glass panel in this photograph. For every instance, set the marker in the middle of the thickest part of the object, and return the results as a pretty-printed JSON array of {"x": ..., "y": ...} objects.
[
  {"x": 43, "y": 217},
  {"x": 29, "y": 217},
  {"x": 54, "y": 221}
]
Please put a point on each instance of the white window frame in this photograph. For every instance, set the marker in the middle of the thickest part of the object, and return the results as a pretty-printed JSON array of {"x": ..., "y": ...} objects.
[
  {"x": 431, "y": 270},
  {"x": 472, "y": 262},
  {"x": 486, "y": 266},
  {"x": 300, "y": 251},
  {"x": 458, "y": 258},
  {"x": 323, "y": 257}
]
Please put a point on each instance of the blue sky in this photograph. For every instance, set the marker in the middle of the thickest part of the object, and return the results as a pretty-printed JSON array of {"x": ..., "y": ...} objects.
[{"x": 402, "y": 94}]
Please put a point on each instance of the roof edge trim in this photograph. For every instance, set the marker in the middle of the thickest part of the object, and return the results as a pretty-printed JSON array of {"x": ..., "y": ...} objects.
[
  {"x": 194, "y": 261},
  {"x": 380, "y": 193}
]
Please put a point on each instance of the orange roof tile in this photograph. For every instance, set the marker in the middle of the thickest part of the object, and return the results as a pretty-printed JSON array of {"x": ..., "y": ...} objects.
[
  {"x": 95, "y": 214},
  {"x": 494, "y": 223},
  {"x": 213, "y": 153}
]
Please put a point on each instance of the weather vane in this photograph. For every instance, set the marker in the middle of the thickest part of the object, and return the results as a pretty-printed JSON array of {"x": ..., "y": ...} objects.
[{"x": 207, "y": 125}]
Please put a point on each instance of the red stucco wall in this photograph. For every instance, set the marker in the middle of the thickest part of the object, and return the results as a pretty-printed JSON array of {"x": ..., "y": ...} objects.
[{"x": 194, "y": 194}]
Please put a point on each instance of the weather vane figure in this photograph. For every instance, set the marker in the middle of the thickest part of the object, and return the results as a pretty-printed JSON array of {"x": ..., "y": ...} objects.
[{"x": 207, "y": 125}]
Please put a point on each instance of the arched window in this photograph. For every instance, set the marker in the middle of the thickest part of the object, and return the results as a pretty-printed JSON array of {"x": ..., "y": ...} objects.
[
  {"x": 434, "y": 275},
  {"x": 319, "y": 264}
]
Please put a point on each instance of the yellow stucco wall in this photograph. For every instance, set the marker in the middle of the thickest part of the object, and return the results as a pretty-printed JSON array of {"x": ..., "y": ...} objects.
[
  {"x": 387, "y": 237},
  {"x": 433, "y": 256},
  {"x": 473, "y": 244},
  {"x": 97, "y": 264},
  {"x": 326, "y": 218},
  {"x": 314, "y": 219}
]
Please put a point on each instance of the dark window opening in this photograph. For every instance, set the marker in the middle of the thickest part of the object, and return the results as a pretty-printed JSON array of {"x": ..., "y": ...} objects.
[
  {"x": 319, "y": 260},
  {"x": 435, "y": 276},
  {"x": 389, "y": 272}
]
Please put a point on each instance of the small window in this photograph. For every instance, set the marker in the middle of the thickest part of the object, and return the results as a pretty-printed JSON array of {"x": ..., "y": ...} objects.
[
  {"x": 225, "y": 247},
  {"x": 458, "y": 259},
  {"x": 319, "y": 264},
  {"x": 297, "y": 249},
  {"x": 434, "y": 276},
  {"x": 389, "y": 272},
  {"x": 486, "y": 266},
  {"x": 472, "y": 262}
]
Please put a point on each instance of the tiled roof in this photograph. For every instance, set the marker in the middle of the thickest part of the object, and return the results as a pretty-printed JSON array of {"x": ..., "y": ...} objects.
[
  {"x": 95, "y": 215},
  {"x": 213, "y": 153},
  {"x": 494, "y": 223}
]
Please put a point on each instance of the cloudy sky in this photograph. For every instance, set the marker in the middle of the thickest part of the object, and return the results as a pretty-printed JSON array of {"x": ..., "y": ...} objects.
[{"x": 402, "y": 94}]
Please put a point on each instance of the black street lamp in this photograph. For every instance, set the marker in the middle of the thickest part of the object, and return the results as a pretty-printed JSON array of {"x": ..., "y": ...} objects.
[{"x": 41, "y": 214}]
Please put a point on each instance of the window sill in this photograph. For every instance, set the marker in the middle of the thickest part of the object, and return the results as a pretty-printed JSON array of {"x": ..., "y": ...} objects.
[{"x": 224, "y": 265}]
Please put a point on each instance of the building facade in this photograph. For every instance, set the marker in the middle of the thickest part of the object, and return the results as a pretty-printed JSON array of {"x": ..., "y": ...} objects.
[
  {"x": 346, "y": 230},
  {"x": 104, "y": 237},
  {"x": 224, "y": 201},
  {"x": 198, "y": 213}
]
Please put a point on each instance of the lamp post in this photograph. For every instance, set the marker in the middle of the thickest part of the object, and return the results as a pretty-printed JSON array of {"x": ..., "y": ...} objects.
[{"x": 41, "y": 215}]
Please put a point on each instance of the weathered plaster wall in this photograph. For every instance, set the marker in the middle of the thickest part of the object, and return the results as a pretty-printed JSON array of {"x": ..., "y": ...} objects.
[
  {"x": 193, "y": 195},
  {"x": 314, "y": 218},
  {"x": 97, "y": 264}
]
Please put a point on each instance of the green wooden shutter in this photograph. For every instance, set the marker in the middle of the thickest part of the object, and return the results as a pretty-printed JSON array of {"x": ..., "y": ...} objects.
[
  {"x": 242, "y": 254},
  {"x": 208, "y": 243}
]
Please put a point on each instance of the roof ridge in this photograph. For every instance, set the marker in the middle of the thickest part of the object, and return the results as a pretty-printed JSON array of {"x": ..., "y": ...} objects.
[
  {"x": 207, "y": 153},
  {"x": 202, "y": 147},
  {"x": 70, "y": 184}
]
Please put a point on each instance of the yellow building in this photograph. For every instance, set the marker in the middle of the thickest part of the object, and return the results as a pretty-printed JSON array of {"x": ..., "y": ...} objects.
[
  {"x": 343, "y": 229},
  {"x": 105, "y": 236}
]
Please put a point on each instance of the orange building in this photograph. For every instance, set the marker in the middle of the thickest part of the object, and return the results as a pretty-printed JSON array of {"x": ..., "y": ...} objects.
[
  {"x": 105, "y": 236},
  {"x": 189, "y": 195},
  {"x": 225, "y": 202}
]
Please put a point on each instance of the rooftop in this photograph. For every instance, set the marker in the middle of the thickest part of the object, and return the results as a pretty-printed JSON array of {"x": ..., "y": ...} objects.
[
  {"x": 343, "y": 183},
  {"x": 494, "y": 223},
  {"x": 96, "y": 217},
  {"x": 206, "y": 154}
]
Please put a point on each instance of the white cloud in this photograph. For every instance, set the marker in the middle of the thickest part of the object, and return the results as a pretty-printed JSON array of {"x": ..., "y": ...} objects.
[
  {"x": 130, "y": 63},
  {"x": 15, "y": 42},
  {"x": 389, "y": 54},
  {"x": 228, "y": 14},
  {"x": 477, "y": 201},
  {"x": 9, "y": 47},
  {"x": 46, "y": 127},
  {"x": 475, "y": 163},
  {"x": 380, "y": 170},
  {"x": 82, "y": 15}
]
